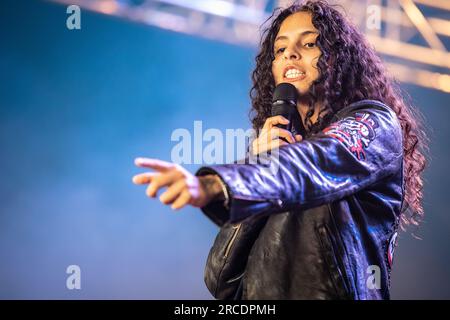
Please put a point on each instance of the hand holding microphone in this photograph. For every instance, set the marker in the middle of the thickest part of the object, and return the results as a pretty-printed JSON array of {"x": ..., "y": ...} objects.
[{"x": 284, "y": 126}]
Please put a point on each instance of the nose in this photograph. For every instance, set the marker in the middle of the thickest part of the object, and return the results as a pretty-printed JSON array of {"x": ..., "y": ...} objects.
[{"x": 291, "y": 53}]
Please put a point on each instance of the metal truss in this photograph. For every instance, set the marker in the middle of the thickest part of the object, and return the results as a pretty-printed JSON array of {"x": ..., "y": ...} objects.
[{"x": 411, "y": 35}]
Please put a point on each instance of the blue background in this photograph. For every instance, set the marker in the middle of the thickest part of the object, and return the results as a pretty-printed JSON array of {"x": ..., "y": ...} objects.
[{"x": 76, "y": 107}]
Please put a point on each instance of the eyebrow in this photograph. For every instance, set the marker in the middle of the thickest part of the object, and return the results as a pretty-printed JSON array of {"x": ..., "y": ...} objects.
[{"x": 304, "y": 33}]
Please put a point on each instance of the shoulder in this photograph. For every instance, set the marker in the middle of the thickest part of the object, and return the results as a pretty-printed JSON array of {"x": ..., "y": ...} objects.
[
  {"x": 367, "y": 121},
  {"x": 374, "y": 107},
  {"x": 373, "y": 113}
]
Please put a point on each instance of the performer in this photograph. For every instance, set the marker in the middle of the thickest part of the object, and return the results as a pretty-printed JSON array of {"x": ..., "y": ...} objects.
[{"x": 324, "y": 225}]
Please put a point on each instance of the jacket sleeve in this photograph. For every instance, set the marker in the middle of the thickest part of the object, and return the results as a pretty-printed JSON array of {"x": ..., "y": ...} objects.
[{"x": 361, "y": 146}]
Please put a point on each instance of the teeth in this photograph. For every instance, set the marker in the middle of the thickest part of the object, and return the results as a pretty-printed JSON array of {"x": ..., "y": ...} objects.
[{"x": 293, "y": 73}]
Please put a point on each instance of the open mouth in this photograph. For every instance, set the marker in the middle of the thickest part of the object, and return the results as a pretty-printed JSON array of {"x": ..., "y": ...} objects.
[{"x": 293, "y": 74}]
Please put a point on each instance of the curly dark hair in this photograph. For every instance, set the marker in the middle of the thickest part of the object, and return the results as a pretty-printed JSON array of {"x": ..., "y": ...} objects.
[{"x": 349, "y": 70}]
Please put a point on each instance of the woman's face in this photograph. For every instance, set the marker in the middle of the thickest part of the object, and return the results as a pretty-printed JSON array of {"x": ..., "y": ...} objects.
[{"x": 296, "y": 52}]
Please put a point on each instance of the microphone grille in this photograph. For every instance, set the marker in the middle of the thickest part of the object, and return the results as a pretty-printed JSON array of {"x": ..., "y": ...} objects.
[{"x": 285, "y": 91}]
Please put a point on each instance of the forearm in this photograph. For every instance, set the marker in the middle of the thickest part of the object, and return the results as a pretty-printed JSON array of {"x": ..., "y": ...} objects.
[
  {"x": 213, "y": 188},
  {"x": 319, "y": 170},
  {"x": 217, "y": 208}
]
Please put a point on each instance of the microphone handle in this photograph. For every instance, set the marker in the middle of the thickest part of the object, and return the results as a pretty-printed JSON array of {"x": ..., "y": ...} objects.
[{"x": 288, "y": 109}]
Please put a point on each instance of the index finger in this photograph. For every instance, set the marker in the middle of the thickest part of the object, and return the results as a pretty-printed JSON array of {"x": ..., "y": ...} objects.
[
  {"x": 155, "y": 164},
  {"x": 270, "y": 122}
]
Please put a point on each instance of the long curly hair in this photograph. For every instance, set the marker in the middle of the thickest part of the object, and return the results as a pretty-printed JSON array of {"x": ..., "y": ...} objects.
[{"x": 349, "y": 70}]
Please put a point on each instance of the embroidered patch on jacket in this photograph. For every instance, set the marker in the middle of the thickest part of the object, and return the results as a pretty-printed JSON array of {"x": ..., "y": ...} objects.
[
  {"x": 391, "y": 247},
  {"x": 355, "y": 132}
]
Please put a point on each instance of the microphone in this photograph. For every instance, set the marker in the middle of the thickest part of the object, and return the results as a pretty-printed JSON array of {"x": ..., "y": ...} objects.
[{"x": 284, "y": 103}]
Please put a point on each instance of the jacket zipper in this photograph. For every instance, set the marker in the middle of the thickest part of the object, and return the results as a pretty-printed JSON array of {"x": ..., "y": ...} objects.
[{"x": 233, "y": 238}]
